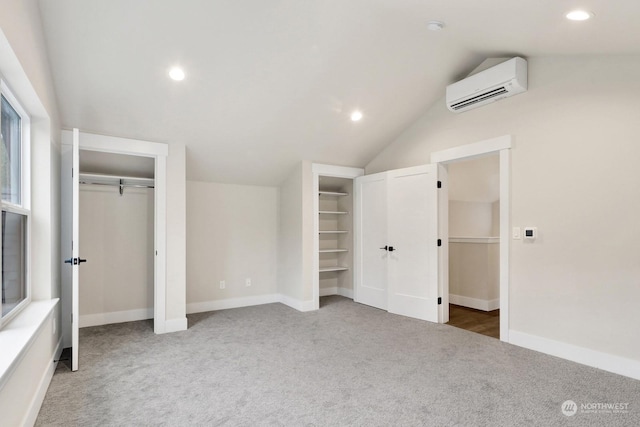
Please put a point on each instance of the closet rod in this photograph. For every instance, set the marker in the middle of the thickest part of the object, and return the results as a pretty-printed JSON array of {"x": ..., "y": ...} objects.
[{"x": 117, "y": 185}]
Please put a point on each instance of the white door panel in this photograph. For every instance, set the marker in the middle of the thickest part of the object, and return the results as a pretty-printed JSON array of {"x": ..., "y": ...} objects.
[
  {"x": 371, "y": 235},
  {"x": 413, "y": 232}
]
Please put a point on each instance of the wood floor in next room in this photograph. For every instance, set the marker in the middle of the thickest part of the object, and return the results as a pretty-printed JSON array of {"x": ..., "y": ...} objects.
[{"x": 482, "y": 322}]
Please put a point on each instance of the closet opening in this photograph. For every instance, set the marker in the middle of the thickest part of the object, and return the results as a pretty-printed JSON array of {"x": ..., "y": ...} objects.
[
  {"x": 474, "y": 250},
  {"x": 116, "y": 220},
  {"x": 333, "y": 237},
  {"x": 500, "y": 147}
]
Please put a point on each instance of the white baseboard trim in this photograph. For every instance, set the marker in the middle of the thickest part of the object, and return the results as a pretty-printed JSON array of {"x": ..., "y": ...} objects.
[
  {"x": 297, "y": 304},
  {"x": 325, "y": 292},
  {"x": 348, "y": 293},
  {"x": 478, "y": 304},
  {"x": 607, "y": 362},
  {"x": 43, "y": 386},
  {"x": 98, "y": 319},
  {"x": 224, "y": 304},
  {"x": 175, "y": 325}
]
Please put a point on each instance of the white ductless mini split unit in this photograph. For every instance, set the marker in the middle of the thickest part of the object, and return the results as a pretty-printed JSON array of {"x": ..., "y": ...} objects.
[{"x": 500, "y": 81}]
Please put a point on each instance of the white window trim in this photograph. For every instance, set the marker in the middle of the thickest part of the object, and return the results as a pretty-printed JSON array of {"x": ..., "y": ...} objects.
[{"x": 25, "y": 194}]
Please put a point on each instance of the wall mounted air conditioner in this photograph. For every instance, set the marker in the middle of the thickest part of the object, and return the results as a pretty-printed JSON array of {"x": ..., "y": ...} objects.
[{"x": 500, "y": 81}]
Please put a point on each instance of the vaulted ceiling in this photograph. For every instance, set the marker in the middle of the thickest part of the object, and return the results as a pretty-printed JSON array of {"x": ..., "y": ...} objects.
[{"x": 269, "y": 83}]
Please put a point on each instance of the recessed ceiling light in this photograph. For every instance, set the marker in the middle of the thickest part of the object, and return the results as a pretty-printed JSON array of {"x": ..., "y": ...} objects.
[
  {"x": 435, "y": 25},
  {"x": 579, "y": 15},
  {"x": 356, "y": 116},
  {"x": 176, "y": 73}
]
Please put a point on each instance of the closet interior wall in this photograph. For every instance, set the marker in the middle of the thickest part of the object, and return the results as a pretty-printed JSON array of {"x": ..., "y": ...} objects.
[
  {"x": 117, "y": 239},
  {"x": 335, "y": 236},
  {"x": 474, "y": 230}
]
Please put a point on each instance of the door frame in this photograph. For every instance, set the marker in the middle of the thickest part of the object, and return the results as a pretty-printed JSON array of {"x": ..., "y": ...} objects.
[
  {"x": 159, "y": 152},
  {"x": 319, "y": 170},
  {"x": 501, "y": 145}
]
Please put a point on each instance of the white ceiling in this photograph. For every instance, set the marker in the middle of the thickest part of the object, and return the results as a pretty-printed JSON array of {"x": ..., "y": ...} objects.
[{"x": 272, "y": 82}]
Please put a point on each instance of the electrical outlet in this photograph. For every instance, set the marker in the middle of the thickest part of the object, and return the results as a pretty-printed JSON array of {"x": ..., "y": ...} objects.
[
  {"x": 247, "y": 282},
  {"x": 222, "y": 284}
]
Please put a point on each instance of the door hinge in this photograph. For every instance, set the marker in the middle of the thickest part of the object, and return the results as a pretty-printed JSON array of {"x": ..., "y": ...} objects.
[
  {"x": 439, "y": 242},
  {"x": 439, "y": 300},
  {"x": 439, "y": 184}
]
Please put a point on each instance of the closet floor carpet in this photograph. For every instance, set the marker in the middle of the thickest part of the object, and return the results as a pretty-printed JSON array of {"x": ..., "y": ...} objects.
[{"x": 345, "y": 364}]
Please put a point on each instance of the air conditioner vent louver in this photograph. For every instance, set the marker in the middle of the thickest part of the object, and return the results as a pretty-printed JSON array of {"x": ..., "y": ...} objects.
[
  {"x": 501, "y": 81},
  {"x": 479, "y": 98}
]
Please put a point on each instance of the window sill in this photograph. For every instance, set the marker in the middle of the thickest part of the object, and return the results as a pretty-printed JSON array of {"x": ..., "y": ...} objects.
[{"x": 17, "y": 336}]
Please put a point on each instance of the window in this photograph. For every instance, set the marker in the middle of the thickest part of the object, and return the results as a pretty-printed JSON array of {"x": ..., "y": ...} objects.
[{"x": 14, "y": 226}]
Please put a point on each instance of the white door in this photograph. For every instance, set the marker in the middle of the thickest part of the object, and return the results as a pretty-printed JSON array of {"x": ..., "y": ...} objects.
[
  {"x": 400, "y": 223},
  {"x": 370, "y": 213},
  {"x": 413, "y": 232},
  {"x": 70, "y": 245}
]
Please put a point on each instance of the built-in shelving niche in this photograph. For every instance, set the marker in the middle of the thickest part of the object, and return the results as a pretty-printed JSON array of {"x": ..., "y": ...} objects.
[{"x": 335, "y": 220}]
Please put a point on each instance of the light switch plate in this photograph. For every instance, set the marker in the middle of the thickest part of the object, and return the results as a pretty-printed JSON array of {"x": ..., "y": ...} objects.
[{"x": 516, "y": 233}]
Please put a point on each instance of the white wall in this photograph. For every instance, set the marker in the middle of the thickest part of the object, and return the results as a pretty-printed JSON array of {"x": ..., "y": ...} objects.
[
  {"x": 470, "y": 219},
  {"x": 295, "y": 238},
  {"x": 25, "y": 67},
  {"x": 574, "y": 176},
  {"x": 176, "y": 295},
  {"x": 117, "y": 239},
  {"x": 232, "y": 235},
  {"x": 476, "y": 180}
]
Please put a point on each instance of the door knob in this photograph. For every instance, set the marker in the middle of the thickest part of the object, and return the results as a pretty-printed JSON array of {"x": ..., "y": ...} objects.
[{"x": 386, "y": 248}]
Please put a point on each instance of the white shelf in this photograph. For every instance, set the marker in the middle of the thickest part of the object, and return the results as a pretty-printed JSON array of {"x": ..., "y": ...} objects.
[
  {"x": 332, "y": 193},
  {"x": 333, "y": 231},
  {"x": 328, "y": 251},
  {"x": 333, "y": 212},
  {"x": 327, "y": 269}
]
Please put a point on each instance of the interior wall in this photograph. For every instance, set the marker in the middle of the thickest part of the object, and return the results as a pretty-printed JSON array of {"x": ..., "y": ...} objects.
[
  {"x": 495, "y": 218},
  {"x": 470, "y": 219},
  {"x": 574, "y": 174},
  {"x": 232, "y": 235},
  {"x": 176, "y": 290},
  {"x": 117, "y": 239},
  {"x": 290, "y": 260},
  {"x": 295, "y": 238},
  {"x": 24, "y": 65}
]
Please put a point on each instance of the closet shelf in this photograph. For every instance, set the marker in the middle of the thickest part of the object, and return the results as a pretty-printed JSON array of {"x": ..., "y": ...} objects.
[
  {"x": 332, "y": 193},
  {"x": 327, "y": 251},
  {"x": 333, "y": 212},
  {"x": 327, "y": 269},
  {"x": 333, "y": 231}
]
